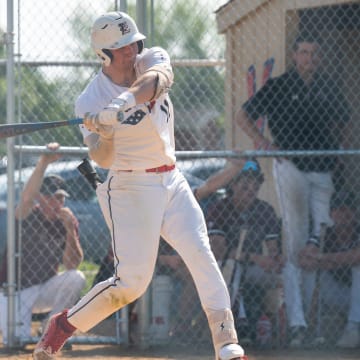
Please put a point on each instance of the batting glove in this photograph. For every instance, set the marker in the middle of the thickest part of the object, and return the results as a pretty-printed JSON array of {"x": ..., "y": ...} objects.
[
  {"x": 114, "y": 112},
  {"x": 123, "y": 102},
  {"x": 92, "y": 123},
  {"x": 106, "y": 117}
]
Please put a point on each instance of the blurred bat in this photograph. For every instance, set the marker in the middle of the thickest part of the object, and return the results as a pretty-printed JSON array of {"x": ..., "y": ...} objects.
[{"x": 10, "y": 130}]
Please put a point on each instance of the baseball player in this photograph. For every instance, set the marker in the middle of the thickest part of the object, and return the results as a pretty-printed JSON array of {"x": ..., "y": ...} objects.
[{"x": 129, "y": 128}]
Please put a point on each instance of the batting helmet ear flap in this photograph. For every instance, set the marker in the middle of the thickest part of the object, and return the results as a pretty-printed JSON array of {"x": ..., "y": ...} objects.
[
  {"x": 105, "y": 56},
  {"x": 140, "y": 45},
  {"x": 108, "y": 53}
]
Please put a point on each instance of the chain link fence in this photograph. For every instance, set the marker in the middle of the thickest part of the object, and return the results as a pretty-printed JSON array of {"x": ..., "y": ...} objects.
[{"x": 302, "y": 128}]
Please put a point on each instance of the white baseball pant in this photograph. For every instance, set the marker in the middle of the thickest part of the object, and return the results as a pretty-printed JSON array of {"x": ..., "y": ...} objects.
[
  {"x": 139, "y": 207},
  {"x": 302, "y": 195}
]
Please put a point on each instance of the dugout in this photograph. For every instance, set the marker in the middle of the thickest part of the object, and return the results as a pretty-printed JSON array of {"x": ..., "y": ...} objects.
[{"x": 257, "y": 30}]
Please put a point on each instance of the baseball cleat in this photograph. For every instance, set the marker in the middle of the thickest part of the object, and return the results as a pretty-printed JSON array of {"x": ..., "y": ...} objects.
[
  {"x": 232, "y": 352},
  {"x": 53, "y": 339}
]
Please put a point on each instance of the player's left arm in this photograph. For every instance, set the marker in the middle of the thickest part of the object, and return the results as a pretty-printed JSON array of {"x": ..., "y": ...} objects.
[{"x": 154, "y": 78}]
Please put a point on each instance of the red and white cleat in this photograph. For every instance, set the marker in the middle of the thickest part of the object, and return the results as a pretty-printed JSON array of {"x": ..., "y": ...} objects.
[
  {"x": 232, "y": 352},
  {"x": 53, "y": 339}
]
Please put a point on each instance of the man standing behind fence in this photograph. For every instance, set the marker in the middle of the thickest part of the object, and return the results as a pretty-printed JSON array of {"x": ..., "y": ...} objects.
[
  {"x": 47, "y": 237},
  {"x": 144, "y": 195},
  {"x": 306, "y": 111}
]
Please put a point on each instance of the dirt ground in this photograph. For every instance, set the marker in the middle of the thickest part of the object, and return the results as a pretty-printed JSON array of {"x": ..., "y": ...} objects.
[
  {"x": 111, "y": 352},
  {"x": 172, "y": 352}
]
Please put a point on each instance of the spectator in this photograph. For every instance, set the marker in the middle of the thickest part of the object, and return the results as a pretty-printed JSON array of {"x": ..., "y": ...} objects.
[
  {"x": 219, "y": 180},
  {"x": 47, "y": 237},
  {"x": 260, "y": 253},
  {"x": 340, "y": 280},
  {"x": 306, "y": 111}
]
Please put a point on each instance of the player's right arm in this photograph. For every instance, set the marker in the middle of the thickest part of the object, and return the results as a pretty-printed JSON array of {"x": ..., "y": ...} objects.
[
  {"x": 101, "y": 148},
  {"x": 98, "y": 138}
]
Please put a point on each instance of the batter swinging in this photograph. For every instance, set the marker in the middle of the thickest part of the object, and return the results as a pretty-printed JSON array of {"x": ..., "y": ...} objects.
[{"x": 145, "y": 195}]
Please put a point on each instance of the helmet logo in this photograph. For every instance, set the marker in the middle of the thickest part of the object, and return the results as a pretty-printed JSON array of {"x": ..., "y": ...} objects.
[{"x": 124, "y": 28}]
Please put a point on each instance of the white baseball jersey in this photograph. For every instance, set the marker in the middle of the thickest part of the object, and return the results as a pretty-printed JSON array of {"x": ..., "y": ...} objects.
[{"x": 145, "y": 139}]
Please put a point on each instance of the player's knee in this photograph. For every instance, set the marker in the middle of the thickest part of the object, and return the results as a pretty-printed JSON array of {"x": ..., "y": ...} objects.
[{"x": 131, "y": 288}]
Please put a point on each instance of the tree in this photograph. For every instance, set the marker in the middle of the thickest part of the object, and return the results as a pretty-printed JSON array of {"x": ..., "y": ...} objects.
[{"x": 184, "y": 30}]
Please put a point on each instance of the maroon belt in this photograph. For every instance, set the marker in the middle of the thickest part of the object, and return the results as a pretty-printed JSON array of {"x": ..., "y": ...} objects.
[{"x": 160, "y": 169}]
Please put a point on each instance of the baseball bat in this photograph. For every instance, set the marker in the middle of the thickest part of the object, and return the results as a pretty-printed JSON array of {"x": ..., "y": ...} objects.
[
  {"x": 235, "y": 289},
  {"x": 10, "y": 130},
  {"x": 317, "y": 284},
  {"x": 315, "y": 307}
]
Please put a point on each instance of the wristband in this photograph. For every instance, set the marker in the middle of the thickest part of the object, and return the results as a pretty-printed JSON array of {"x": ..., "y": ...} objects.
[
  {"x": 129, "y": 99},
  {"x": 313, "y": 241},
  {"x": 216, "y": 232}
]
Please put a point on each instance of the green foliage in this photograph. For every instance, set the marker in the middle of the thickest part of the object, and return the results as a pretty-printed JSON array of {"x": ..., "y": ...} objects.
[
  {"x": 197, "y": 94},
  {"x": 90, "y": 270}
]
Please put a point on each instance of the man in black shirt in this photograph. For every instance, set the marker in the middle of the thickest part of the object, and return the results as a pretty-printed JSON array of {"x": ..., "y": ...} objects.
[{"x": 306, "y": 111}]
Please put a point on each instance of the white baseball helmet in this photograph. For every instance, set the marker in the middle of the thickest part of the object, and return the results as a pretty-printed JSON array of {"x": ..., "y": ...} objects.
[{"x": 113, "y": 30}]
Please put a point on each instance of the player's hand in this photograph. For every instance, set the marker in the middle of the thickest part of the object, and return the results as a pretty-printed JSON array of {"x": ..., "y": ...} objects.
[
  {"x": 110, "y": 116},
  {"x": 92, "y": 123},
  {"x": 114, "y": 112}
]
